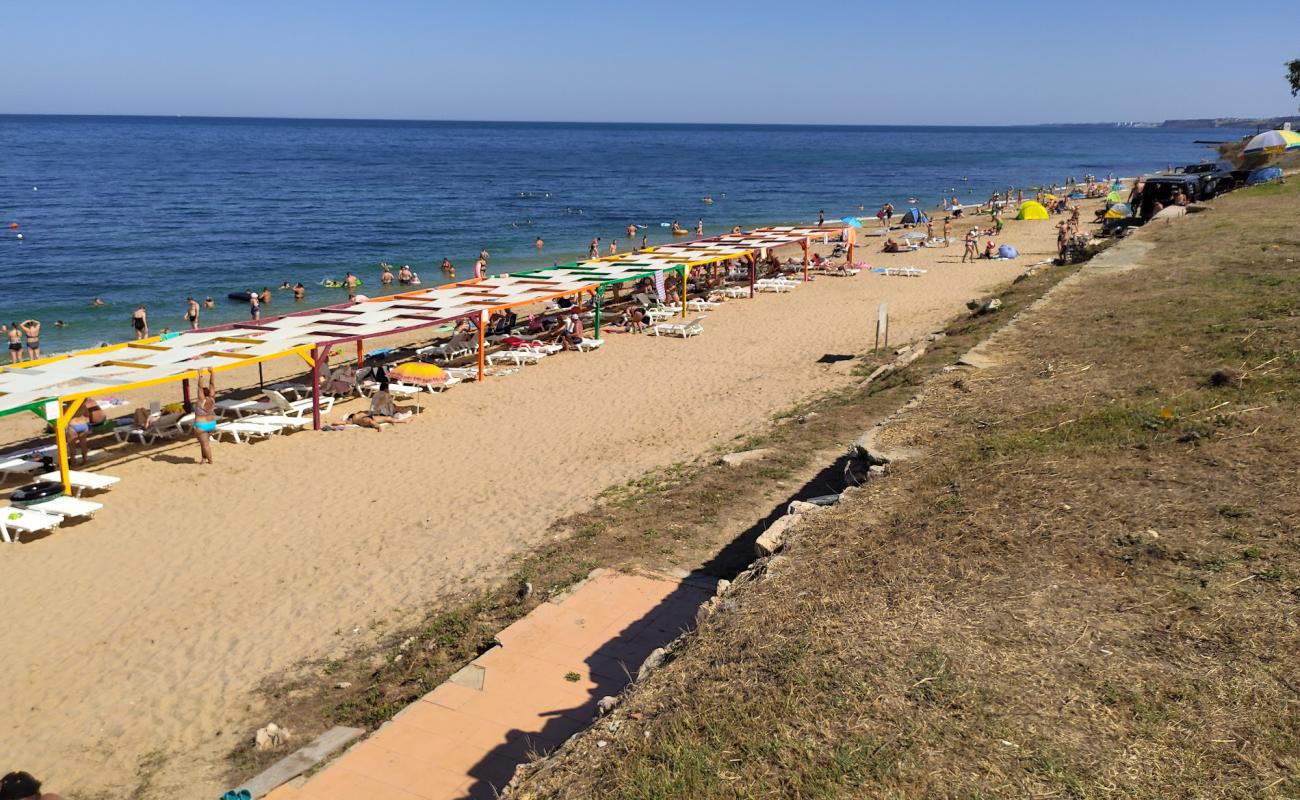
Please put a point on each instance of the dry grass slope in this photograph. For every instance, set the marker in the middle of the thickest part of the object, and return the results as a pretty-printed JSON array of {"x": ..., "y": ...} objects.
[{"x": 1089, "y": 587}]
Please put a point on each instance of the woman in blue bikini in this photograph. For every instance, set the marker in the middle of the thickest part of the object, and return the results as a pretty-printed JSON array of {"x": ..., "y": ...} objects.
[{"x": 205, "y": 415}]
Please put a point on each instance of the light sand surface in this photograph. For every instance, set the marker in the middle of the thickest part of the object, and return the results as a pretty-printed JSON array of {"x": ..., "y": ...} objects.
[{"x": 146, "y": 629}]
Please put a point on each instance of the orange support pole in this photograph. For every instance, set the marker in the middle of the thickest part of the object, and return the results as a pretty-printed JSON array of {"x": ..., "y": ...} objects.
[
  {"x": 805, "y": 260},
  {"x": 361, "y": 354}
]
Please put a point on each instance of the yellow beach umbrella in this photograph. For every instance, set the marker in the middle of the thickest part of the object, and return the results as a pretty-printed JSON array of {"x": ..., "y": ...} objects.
[{"x": 419, "y": 373}]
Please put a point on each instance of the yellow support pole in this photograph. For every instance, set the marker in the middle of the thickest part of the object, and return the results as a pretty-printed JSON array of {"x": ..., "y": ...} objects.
[
  {"x": 61, "y": 438},
  {"x": 685, "y": 272}
]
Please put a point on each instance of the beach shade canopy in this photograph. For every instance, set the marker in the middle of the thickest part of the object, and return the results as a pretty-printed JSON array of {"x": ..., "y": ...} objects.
[
  {"x": 418, "y": 373},
  {"x": 1031, "y": 209},
  {"x": 1114, "y": 197},
  {"x": 1119, "y": 211},
  {"x": 1169, "y": 212},
  {"x": 914, "y": 216},
  {"x": 852, "y": 221},
  {"x": 1272, "y": 142},
  {"x": 1007, "y": 251}
]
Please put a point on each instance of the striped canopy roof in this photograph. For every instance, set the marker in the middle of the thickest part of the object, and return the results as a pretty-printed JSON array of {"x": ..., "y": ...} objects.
[{"x": 159, "y": 360}]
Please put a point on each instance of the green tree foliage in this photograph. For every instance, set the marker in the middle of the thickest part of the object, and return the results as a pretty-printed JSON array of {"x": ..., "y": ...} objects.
[{"x": 1293, "y": 75}]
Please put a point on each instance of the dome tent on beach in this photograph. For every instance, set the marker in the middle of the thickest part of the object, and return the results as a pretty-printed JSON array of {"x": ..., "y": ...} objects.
[
  {"x": 915, "y": 216},
  {"x": 1031, "y": 209}
]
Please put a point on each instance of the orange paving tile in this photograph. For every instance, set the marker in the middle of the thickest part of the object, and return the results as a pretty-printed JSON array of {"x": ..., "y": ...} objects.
[{"x": 461, "y": 742}]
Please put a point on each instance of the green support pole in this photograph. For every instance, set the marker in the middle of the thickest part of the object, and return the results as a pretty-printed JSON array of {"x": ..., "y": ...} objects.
[{"x": 600, "y": 296}]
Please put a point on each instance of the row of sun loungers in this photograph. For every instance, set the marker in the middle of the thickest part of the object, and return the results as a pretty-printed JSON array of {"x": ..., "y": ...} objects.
[{"x": 49, "y": 513}]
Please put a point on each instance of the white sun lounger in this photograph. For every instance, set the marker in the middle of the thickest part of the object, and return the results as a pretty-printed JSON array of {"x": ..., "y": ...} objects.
[
  {"x": 775, "y": 285},
  {"x": 295, "y": 390},
  {"x": 516, "y": 357},
  {"x": 587, "y": 345},
  {"x": 64, "y": 506},
  {"x": 658, "y": 313},
  {"x": 279, "y": 421},
  {"x": 239, "y": 408},
  {"x": 240, "y": 431},
  {"x": 462, "y": 374},
  {"x": 16, "y": 521},
  {"x": 18, "y": 466},
  {"x": 166, "y": 426},
  {"x": 296, "y": 408},
  {"x": 683, "y": 329},
  {"x": 82, "y": 481},
  {"x": 700, "y": 304},
  {"x": 736, "y": 292}
]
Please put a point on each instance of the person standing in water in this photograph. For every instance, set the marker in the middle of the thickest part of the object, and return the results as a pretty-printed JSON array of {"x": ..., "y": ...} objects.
[
  {"x": 15, "y": 335},
  {"x": 192, "y": 312},
  {"x": 350, "y": 283},
  {"x": 140, "y": 321},
  {"x": 32, "y": 330},
  {"x": 254, "y": 305},
  {"x": 631, "y": 231},
  {"x": 299, "y": 291},
  {"x": 539, "y": 243},
  {"x": 699, "y": 228}
]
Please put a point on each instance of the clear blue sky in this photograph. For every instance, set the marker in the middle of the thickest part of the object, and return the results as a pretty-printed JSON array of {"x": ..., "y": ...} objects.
[{"x": 668, "y": 61}]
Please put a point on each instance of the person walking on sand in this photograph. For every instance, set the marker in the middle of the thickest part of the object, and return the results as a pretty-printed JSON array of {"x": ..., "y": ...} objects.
[
  {"x": 15, "y": 335},
  {"x": 947, "y": 230},
  {"x": 140, "y": 321},
  {"x": 972, "y": 246},
  {"x": 192, "y": 312},
  {"x": 205, "y": 415}
]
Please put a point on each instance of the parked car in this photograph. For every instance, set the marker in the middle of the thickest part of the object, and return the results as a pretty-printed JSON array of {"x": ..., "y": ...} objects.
[
  {"x": 1213, "y": 178},
  {"x": 1163, "y": 189}
]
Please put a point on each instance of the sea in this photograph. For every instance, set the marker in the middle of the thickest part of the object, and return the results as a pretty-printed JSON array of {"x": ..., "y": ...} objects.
[{"x": 151, "y": 210}]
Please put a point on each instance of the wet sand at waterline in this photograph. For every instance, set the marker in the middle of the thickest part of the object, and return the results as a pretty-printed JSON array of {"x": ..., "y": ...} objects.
[{"x": 145, "y": 630}]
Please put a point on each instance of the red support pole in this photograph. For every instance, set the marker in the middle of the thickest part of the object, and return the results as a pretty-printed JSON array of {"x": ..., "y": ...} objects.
[{"x": 315, "y": 387}]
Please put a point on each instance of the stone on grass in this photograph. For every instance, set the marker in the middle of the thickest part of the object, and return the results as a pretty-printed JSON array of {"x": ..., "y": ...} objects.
[
  {"x": 652, "y": 662},
  {"x": 773, "y": 539},
  {"x": 745, "y": 456}
]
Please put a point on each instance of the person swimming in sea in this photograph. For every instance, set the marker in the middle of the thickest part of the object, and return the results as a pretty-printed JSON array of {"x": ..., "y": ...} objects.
[
  {"x": 96, "y": 303},
  {"x": 299, "y": 291}
]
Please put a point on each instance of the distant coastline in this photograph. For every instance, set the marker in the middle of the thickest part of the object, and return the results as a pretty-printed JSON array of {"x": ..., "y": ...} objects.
[{"x": 1203, "y": 123}]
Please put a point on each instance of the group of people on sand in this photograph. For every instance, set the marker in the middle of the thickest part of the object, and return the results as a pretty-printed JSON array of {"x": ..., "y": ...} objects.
[{"x": 16, "y": 332}]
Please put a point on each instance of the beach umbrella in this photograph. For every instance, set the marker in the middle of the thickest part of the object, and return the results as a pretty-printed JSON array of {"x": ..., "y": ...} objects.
[
  {"x": 1169, "y": 212},
  {"x": 419, "y": 373},
  {"x": 1114, "y": 197},
  {"x": 1272, "y": 142},
  {"x": 1119, "y": 211},
  {"x": 853, "y": 222}
]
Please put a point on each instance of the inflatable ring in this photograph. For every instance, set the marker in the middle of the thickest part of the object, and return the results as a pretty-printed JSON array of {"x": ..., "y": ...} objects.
[{"x": 36, "y": 491}]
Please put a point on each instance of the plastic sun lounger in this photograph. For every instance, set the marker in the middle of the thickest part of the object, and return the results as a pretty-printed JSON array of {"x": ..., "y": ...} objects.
[
  {"x": 64, "y": 506},
  {"x": 247, "y": 430},
  {"x": 297, "y": 408},
  {"x": 277, "y": 421},
  {"x": 516, "y": 357},
  {"x": 736, "y": 292},
  {"x": 682, "y": 329},
  {"x": 587, "y": 345},
  {"x": 295, "y": 390},
  {"x": 699, "y": 304},
  {"x": 239, "y": 408},
  {"x": 166, "y": 426},
  {"x": 17, "y": 521},
  {"x": 82, "y": 481},
  {"x": 18, "y": 466},
  {"x": 658, "y": 313},
  {"x": 462, "y": 374}
]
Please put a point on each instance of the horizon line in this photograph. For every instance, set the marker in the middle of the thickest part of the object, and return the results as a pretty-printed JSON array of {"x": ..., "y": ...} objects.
[{"x": 611, "y": 123}]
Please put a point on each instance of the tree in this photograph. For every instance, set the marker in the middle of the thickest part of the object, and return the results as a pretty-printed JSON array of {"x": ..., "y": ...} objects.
[{"x": 1293, "y": 75}]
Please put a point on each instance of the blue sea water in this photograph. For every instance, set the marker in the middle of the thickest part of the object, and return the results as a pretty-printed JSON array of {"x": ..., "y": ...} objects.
[{"x": 150, "y": 210}]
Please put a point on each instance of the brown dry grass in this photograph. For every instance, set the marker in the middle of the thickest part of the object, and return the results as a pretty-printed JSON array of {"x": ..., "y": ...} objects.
[
  {"x": 696, "y": 515},
  {"x": 1088, "y": 588}
]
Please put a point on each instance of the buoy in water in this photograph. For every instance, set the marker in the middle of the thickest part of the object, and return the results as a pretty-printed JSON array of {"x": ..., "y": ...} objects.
[{"x": 13, "y": 226}]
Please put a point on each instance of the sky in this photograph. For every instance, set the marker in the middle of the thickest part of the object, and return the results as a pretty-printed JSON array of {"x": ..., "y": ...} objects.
[{"x": 760, "y": 61}]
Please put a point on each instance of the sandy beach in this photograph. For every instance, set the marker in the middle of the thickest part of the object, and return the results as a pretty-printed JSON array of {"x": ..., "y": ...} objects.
[{"x": 142, "y": 633}]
